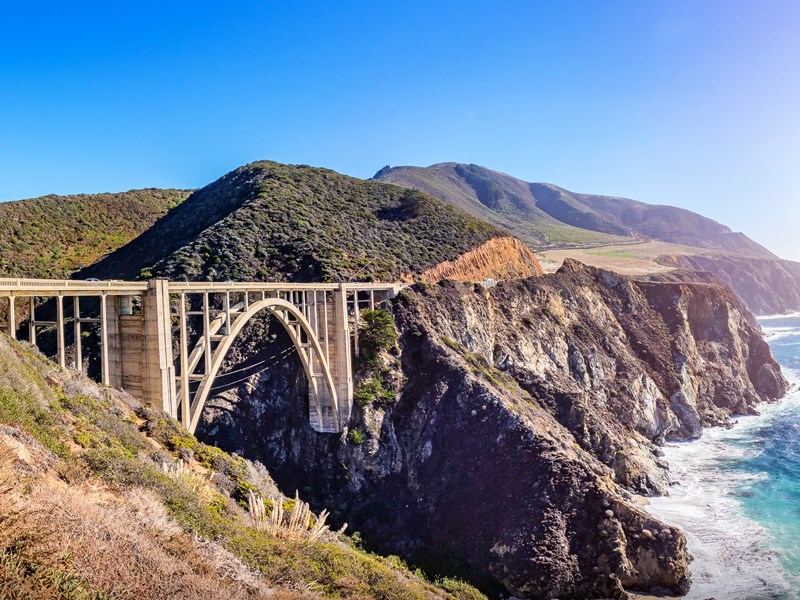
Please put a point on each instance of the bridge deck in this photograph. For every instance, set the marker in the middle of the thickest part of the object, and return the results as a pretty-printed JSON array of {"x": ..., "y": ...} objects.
[{"x": 43, "y": 287}]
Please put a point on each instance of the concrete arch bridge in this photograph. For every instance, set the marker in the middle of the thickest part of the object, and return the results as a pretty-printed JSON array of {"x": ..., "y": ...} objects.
[{"x": 140, "y": 323}]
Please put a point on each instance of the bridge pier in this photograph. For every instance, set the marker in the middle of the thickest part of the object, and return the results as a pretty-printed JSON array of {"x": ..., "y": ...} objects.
[
  {"x": 158, "y": 371},
  {"x": 341, "y": 361},
  {"x": 12, "y": 317}
]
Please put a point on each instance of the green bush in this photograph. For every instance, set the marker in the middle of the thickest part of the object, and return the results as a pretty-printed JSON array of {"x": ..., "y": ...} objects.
[
  {"x": 374, "y": 390},
  {"x": 356, "y": 436},
  {"x": 376, "y": 334}
]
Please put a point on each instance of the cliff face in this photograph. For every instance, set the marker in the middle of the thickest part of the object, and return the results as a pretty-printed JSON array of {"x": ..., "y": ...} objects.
[
  {"x": 524, "y": 417},
  {"x": 500, "y": 258},
  {"x": 768, "y": 287}
]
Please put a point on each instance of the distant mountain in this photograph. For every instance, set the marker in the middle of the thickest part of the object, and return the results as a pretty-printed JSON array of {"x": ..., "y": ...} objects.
[
  {"x": 545, "y": 215},
  {"x": 557, "y": 222},
  {"x": 268, "y": 221},
  {"x": 53, "y": 236}
]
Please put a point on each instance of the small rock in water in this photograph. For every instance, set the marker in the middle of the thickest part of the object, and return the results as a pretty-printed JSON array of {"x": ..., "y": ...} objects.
[{"x": 610, "y": 514}]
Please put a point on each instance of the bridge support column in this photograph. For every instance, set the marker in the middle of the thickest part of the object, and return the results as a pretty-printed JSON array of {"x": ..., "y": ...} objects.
[
  {"x": 76, "y": 324},
  {"x": 62, "y": 361},
  {"x": 341, "y": 358},
  {"x": 110, "y": 341},
  {"x": 158, "y": 372},
  {"x": 12, "y": 317}
]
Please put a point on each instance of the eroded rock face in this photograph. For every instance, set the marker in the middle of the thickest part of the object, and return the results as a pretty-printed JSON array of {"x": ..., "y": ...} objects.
[
  {"x": 499, "y": 258},
  {"x": 526, "y": 415}
]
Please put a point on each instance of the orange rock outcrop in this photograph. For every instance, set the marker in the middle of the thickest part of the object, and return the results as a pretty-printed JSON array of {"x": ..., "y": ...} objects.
[{"x": 499, "y": 258}]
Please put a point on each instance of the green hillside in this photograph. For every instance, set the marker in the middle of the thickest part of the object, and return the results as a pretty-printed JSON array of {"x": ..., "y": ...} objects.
[
  {"x": 498, "y": 199},
  {"x": 283, "y": 222},
  {"x": 53, "y": 236},
  {"x": 547, "y": 216}
]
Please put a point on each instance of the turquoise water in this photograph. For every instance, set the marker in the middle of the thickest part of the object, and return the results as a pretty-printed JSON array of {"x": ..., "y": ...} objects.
[
  {"x": 737, "y": 493},
  {"x": 774, "y": 498}
]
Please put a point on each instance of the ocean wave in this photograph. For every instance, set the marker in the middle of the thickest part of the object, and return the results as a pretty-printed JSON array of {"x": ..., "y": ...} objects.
[
  {"x": 775, "y": 333},
  {"x": 793, "y": 315},
  {"x": 732, "y": 555},
  {"x": 736, "y": 557}
]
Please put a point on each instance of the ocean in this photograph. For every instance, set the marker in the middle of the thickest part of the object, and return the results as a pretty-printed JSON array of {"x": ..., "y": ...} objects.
[{"x": 737, "y": 493}]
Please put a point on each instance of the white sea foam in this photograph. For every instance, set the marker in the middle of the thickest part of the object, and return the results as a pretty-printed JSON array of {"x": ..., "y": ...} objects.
[
  {"x": 793, "y": 315},
  {"x": 733, "y": 559},
  {"x": 776, "y": 333}
]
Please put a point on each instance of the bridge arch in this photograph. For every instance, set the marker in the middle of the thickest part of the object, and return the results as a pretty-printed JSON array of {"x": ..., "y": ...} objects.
[{"x": 322, "y": 390}]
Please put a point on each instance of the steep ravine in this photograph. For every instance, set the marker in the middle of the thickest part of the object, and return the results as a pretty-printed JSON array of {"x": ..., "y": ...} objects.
[{"x": 526, "y": 415}]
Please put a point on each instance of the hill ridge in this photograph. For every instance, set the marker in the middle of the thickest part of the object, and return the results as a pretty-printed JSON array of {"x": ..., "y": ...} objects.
[{"x": 545, "y": 204}]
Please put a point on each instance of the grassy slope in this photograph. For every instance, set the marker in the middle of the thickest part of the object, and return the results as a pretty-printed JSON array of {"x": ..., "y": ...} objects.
[
  {"x": 546, "y": 215},
  {"x": 642, "y": 258},
  {"x": 498, "y": 199},
  {"x": 53, "y": 236},
  {"x": 272, "y": 221},
  {"x": 73, "y": 453}
]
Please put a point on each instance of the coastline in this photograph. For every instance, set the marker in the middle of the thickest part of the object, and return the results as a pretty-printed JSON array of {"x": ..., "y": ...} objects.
[{"x": 734, "y": 555}]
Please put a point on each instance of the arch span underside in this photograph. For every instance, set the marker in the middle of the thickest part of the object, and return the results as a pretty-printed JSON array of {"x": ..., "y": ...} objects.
[{"x": 325, "y": 414}]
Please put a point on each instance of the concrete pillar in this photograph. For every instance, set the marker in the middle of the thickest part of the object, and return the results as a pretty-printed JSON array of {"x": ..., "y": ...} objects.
[
  {"x": 341, "y": 363},
  {"x": 32, "y": 327},
  {"x": 356, "y": 322},
  {"x": 158, "y": 372},
  {"x": 131, "y": 335},
  {"x": 62, "y": 361},
  {"x": 76, "y": 323},
  {"x": 111, "y": 341},
  {"x": 105, "y": 377},
  {"x": 227, "y": 307},
  {"x": 184, "y": 361},
  {"x": 207, "y": 331},
  {"x": 12, "y": 317}
]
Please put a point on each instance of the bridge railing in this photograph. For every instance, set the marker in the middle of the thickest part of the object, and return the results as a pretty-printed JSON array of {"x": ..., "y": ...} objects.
[{"x": 72, "y": 285}]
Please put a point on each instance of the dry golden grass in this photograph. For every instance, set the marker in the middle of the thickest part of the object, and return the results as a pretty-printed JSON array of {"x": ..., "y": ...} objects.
[
  {"x": 298, "y": 524},
  {"x": 86, "y": 542},
  {"x": 134, "y": 550}
]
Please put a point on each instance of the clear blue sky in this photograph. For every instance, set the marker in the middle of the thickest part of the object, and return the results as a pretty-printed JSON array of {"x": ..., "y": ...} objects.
[{"x": 690, "y": 103}]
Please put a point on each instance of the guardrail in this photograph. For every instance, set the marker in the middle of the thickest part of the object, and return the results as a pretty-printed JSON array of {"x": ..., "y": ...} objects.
[
  {"x": 72, "y": 285},
  {"x": 123, "y": 287}
]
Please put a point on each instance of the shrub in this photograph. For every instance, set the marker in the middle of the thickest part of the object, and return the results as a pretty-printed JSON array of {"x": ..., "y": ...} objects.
[
  {"x": 356, "y": 436},
  {"x": 376, "y": 334},
  {"x": 374, "y": 390}
]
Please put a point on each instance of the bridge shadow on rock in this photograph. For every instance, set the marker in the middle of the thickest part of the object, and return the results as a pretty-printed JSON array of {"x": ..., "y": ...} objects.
[{"x": 259, "y": 409}]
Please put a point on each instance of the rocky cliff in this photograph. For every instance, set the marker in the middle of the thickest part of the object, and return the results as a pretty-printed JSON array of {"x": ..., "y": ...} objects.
[
  {"x": 768, "y": 287},
  {"x": 499, "y": 258},
  {"x": 509, "y": 427}
]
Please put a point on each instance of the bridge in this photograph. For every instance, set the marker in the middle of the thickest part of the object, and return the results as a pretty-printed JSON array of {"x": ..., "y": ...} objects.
[{"x": 164, "y": 342}]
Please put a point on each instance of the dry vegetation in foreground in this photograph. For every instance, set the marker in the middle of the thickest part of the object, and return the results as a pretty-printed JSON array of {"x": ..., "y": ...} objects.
[{"x": 95, "y": 503}]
